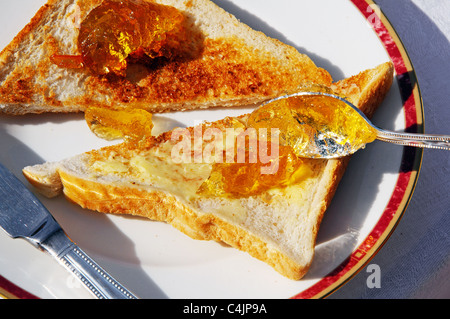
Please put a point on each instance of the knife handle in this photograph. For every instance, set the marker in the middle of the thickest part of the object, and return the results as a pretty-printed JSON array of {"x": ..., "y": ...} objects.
[{"x": 96, "y": 279}]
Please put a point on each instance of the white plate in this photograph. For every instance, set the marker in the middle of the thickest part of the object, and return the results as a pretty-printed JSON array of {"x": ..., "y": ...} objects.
[{"x": 155, "y": 260}]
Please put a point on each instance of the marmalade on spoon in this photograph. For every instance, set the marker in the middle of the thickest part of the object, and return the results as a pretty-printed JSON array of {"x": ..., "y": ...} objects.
[
  {"x": 310, "y": 127},
  {"x": 315, "y": 126}
]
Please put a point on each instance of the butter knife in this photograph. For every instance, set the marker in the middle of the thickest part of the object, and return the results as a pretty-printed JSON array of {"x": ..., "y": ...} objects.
[{"x": 22, "y": 215}]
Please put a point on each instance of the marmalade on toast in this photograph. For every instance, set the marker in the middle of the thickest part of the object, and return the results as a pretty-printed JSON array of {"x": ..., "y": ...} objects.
[
  {"x": 307, "y": 124},
  {"x": 117, "y": 31},
  {"x": 300, "y": 121},
  {"x": 131, "y": 124}
]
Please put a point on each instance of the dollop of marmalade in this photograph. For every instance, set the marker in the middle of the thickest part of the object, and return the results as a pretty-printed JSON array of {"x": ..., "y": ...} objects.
[
  {"x": 237, "y": 180},
  {"x": 117, "y": 31},
  {"x": 133, "y": 125}
]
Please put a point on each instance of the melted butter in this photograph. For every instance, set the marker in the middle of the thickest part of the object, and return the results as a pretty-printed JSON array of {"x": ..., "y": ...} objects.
[
  {"x": 110, "y": 167},
  {"x": 156, "y": 169},
  {"x": 183, "y": 180}
]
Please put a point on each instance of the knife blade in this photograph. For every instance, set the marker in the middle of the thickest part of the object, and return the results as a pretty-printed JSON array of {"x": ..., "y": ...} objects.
[{"x": 22, "y": 215}]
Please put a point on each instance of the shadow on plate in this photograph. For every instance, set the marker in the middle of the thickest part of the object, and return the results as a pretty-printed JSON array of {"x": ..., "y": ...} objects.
[
  {"x": 365, "y": 188},
  {"x": 84, "y": 227},
  {"x": 258, "y": 24}
]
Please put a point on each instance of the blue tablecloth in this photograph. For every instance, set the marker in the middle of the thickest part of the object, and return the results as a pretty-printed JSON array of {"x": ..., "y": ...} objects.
[{"x": 415, "y": 262}]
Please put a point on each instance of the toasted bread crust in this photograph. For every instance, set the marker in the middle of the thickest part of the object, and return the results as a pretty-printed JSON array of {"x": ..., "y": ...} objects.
[
  {"x": 229, "y": 67},
  {"x": 365, "y": 90},
  {"x": 161, "y": 206}
]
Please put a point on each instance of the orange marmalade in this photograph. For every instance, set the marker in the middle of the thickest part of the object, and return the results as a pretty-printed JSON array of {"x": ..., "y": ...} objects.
[
  {"x": 131, "y": 124},
  {"x": 117, "y": 31},
  {"x": 235, "y": 180},
  {"x": 299, "y": 121},
  {"x": 315, "y": 126},
  {"x": 309, "y": 126}
]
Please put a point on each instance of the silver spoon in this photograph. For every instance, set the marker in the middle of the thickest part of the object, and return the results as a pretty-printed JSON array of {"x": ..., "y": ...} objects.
[{"x": 326, "y": 145}]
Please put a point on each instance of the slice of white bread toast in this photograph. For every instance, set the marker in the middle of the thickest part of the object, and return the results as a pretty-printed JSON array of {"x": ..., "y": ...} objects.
[
  {"x": 278, "y": 226},
  {"x": 230, "y": 64}
]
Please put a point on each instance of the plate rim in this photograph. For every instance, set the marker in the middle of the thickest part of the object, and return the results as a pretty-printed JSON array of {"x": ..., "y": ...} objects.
[
  {"x": 409, "y": 170},
  {"x": 403, "y": 191}
]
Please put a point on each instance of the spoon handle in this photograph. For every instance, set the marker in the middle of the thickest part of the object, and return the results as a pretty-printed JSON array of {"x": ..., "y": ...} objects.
[{"x": 435, "y": 141}]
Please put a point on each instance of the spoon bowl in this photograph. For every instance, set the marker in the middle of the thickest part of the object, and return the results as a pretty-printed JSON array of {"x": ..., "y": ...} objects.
[{"x": 345, "y": 137}]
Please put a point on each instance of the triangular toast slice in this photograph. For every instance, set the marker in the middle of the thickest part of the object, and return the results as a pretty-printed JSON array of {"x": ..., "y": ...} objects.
[
  {"x": 278, "y": 226},
  {"x": 226, "y": 64}
]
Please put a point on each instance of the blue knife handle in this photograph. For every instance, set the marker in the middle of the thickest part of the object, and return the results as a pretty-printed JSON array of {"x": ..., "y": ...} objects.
[{"x": 96, "y": 279}]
